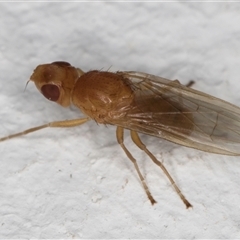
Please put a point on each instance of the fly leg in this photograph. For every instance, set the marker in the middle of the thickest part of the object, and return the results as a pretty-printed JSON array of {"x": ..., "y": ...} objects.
[
  {"x": 120, "y": 138},
  {"x": 66, "y": 123},
  {"x": 139, "y": 143},
  {"x": 190, "y": 83}
]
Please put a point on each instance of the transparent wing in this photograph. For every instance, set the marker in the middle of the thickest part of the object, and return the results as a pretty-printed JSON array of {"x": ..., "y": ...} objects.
[{"x": 182, "y": 115}]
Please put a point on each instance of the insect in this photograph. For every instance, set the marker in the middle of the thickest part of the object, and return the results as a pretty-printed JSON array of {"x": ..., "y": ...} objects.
[{"x": 141, "y": 103}]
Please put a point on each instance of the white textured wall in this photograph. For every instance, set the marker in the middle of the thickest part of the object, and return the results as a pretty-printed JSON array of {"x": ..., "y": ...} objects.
[{"x": 77, "y": 183}]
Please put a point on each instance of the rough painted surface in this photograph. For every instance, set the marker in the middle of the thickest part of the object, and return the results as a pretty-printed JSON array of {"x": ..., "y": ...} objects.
[{"x": 77, "y": 183}]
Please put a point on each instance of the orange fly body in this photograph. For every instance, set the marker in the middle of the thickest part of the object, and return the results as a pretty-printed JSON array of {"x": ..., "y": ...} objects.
[{"x": 141, "y": 103}]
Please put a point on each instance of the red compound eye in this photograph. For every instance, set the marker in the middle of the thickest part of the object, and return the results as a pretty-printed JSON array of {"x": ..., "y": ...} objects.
[{"x": 51, "y": 92}]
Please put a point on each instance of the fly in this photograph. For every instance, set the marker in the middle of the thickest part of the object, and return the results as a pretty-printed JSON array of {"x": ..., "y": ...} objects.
[{"x": 141, "y": 103}]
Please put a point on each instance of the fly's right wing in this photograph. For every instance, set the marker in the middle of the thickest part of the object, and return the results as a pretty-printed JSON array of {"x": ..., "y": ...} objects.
[{"x": 182, "y": 115}]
